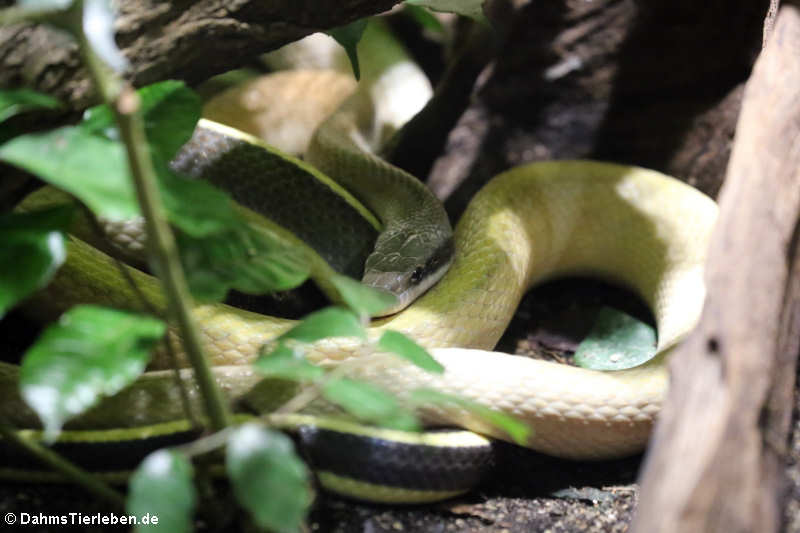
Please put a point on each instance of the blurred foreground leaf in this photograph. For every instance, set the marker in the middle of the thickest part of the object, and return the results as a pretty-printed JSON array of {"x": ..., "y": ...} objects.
[
  {"x": 17, "y": 101},
  {"x": 32, "y": 251},
  {"x": 162, "y": 487},
  {"x": 268, "y": 478},
  {"x": 370, "y": 404},
  {"x": 91, "y": 352},
  {"x": 517, "y": 430},
  {"x": 406, "y": 348}
]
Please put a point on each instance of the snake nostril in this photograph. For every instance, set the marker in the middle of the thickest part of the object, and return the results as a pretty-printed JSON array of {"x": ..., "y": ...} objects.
[{"x": 713, "y": 345}]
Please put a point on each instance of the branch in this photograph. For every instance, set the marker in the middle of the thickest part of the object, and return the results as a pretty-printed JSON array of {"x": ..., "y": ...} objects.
[
  {"x": 184, "y": 40},
  {"x": 719, "y": 448},
  {"x": 124, "y": 103}
]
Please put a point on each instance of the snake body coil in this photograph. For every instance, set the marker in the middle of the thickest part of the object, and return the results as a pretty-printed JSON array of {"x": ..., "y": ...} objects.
[
  {"x": 628, "y": 225},
  {"x": 625, "y": 224}
]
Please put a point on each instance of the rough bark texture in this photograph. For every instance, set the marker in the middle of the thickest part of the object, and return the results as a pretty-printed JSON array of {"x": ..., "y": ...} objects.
[
  {"x": 719, "y": 449},
  {"x": 182, "y": 39}
]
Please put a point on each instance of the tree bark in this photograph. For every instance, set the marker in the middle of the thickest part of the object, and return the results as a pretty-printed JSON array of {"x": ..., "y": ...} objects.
[
  {"x": 717, "y": 457},
  {"x": 187, "y": 39}
]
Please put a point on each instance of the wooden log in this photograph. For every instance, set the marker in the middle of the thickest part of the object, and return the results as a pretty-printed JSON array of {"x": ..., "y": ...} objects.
[
  {"x": 717, "y": 456},
  {"x": 188, "y": 40}
]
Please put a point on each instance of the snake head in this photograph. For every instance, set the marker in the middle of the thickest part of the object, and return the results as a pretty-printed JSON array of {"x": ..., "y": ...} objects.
[{"x": 406, "y": 265}]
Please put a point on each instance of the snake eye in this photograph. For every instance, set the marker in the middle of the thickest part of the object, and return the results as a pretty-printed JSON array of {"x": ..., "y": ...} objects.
[{"x": 416, "y": 276}]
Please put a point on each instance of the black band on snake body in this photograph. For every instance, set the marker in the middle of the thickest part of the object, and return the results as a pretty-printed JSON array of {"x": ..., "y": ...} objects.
[
  {"x": 455, "y": 465},
  {"x": 355, "y": 461}
]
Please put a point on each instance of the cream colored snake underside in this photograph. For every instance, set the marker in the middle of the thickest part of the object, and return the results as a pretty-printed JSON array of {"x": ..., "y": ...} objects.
[{"x": 624, "y": 224}]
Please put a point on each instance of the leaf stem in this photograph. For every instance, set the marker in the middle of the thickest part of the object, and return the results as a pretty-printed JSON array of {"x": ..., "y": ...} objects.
[
  {"x": 162, "y": 245},
  {"x": 66, "y": 468},
  {"x": 148, "y": 307},
  {"x": 124, "y": 102}
]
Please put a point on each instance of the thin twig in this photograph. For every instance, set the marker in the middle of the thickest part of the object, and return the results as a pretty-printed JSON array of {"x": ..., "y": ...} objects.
[
  {"x": 124, "y": 102},
  {"x": 206, "y": 444},
  {"x": 150, "y": 308},
  {"x": 186, "y": 404},
  {"x": 162, "y": 245}
]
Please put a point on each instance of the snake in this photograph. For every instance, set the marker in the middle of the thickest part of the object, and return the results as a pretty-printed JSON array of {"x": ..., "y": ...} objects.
[{"x": 628, "y": 225}]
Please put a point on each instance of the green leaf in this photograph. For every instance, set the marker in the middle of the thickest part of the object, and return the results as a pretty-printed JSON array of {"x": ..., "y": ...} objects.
[
  {"x": 364, "y": 300},
  {"x": 244, "y": 258},
  {"x": 330, "y": 322},
  {"x": 348, "y": 36},
  {"x": 98, "y": 27},
  {"x": 370, "y": 404},
  {"x": 170, "y": 111},
  {"x": 396, "y": 342},
  {"x": 161, "y": 492},
  {"x": 616, "y": 341},
  {"x": 287, "y": 363},
  {"x": 89, "y": 161},
  {"x": 33, "y": 248},
  {"x": 518, "y": 431},
  {"x": 17, "y": 101},
  {"x": 424, "y": 18},
  {"x": 92, "y": 168},
  {"x": 468, "y": 8},
  {"x": 220, "y": 250},
  {"x": 196, "y": 207},
  {"x": 89, "y": 353},
  {"x": 268, "y": 478}
]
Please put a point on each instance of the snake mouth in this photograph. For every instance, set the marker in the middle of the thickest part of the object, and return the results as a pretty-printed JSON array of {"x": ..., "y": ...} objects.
[
  {"x": 403, "y": 286},
  {"x": 401, "y": 300},
  {"x": 407, "y": 279}
]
